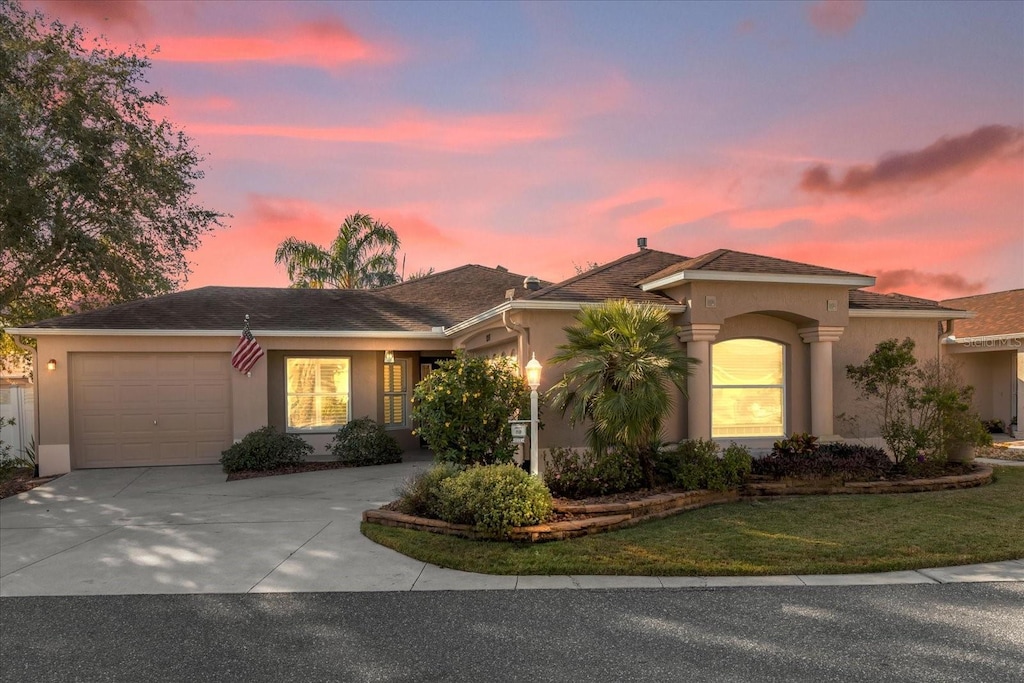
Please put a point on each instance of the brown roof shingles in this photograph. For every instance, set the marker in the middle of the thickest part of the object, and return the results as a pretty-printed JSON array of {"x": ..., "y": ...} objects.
[
  {"x": 615, "y": 280},
  {"x": 438, "y": 300},
  {"x": 729, "y": 261},
  {"x": 862, "y": 300},
  {"x": 998, "y": 313}
]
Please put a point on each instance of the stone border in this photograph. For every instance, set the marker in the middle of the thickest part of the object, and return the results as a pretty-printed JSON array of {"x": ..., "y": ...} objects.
[{"x": 600, "y": 517}]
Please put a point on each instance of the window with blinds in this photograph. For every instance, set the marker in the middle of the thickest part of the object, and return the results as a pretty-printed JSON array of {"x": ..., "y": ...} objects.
[
  {"x": 318, "y": 393},
  {"x": 748, "y": 388},
  {"x": 396, "y": 393}
]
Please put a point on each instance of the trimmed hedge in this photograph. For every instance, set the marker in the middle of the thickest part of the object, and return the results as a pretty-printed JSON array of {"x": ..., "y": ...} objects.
[
  {"x": 700, "y": 464},
  {"x": 265, "y": 449},
  {"x": 365, "y": 442},
  {"x": 420, "y": 495}
]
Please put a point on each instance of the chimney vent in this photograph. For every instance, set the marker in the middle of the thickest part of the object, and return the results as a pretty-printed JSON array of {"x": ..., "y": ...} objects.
[
  {"x": 641, "y": 242},
  {"x": 531, "y": 283}
]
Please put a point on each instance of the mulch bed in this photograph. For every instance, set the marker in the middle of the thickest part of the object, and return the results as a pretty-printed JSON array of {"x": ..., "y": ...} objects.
[
  {"x": 22, "y": 480},
  {"x": 1000, "y": 452},
  {"x": 291, "y": 469}
]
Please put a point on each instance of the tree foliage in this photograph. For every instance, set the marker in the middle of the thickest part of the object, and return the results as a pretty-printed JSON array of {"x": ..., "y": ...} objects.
[
  {"x": 96, "y": 195},
  {"x": 623, "y": 357},
  {"x": 362, "y": 256},
  {"x": 922, "y": 410}
]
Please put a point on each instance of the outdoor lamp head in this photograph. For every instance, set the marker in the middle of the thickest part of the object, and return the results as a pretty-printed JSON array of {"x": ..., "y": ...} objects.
[{"x": 533, "y": 369}]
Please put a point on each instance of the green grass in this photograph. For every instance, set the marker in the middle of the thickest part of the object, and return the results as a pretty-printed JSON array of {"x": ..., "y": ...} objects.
[{"x": 795, "y": 535}]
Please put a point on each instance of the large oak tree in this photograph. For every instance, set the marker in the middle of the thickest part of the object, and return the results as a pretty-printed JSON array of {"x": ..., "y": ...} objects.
[{"x": 97, "y": 200}]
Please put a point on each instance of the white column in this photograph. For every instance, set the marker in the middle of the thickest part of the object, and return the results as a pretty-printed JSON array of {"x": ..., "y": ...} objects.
[
  {"x": 698, "y": 338},
  {"x": 820, "y": 340}
]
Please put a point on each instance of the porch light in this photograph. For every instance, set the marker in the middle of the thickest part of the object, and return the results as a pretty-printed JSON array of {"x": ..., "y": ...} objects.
[
  {"x": 51, "y": 364},
  {"x": 389, "y": 357},
  {"x": 533, "y": 369}
]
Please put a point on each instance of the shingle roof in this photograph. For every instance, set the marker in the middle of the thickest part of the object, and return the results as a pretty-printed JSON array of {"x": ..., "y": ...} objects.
[
  {"x": 862, "y": 300},
  {"x": 458, "y": 294},
  {"x": 729, "y": 261},
  {"x": 615, "y": 280},
  {"x": 442, "y": 299},
  {"x": 997, "y": 313}
]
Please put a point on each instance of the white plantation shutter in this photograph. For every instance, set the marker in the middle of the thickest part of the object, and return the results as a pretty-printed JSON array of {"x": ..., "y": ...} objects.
[{"x": 748, "y": 388}]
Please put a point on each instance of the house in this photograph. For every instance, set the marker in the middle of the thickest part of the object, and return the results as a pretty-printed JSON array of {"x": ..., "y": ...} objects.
[
  {"x": 990, "y": 350},
  {"x": 149, "y": 382}
]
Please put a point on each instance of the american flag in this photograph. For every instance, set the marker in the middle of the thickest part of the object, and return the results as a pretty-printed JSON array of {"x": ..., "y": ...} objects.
[{"x": 248, "y": 350}]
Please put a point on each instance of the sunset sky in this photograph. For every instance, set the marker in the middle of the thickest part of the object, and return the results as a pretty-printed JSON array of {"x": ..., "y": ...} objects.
[{"x": 881, "y": 137}]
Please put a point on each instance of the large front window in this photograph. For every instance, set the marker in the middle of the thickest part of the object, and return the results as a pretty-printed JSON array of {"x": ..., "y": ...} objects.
[
  {"x": 319, "y": 390},
  {"x": 747, "y": 388}
]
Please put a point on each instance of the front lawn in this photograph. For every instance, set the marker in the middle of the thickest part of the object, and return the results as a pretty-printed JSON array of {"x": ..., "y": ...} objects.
[{"x": 794, "y": 535}]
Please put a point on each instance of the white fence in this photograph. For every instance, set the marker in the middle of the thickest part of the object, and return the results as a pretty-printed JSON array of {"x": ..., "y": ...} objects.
[{"x": 17, "y": 402}]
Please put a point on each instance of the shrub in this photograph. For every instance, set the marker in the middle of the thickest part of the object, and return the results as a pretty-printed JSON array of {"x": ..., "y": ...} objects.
[
  {"x": 994, "y": 426},
  {"x": 494, "y": 498},
  {"x": 578, "y": 475},
  {"x": 265, "y": 449},
  {"x": 698, "y": 464},
  {"x": 800, "y": 443},
  {"x": 419, "y": 495},
  {"x": 364, "y": 442},
  {"x": 845, "y": 461},
  {"x": 463, "y": 408}
]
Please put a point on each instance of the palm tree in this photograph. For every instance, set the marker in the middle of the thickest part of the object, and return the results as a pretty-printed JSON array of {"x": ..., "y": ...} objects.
[
  {"x": 625, "y": 354},
  {"x": 362, "y": 256}
]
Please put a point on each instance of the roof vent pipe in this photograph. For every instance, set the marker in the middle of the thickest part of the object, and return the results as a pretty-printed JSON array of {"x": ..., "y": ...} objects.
[
  {"x": 641, "y": 242},
  {"x": 531, "y": 283}
]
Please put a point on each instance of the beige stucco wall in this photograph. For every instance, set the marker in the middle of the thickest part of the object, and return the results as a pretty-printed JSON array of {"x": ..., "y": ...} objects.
[
  {"x": 798, "y": 303},
  {"x": 255, "y": 401},
  {"x": 853, "y": 348},
  {"x": 995, "y": 371}
]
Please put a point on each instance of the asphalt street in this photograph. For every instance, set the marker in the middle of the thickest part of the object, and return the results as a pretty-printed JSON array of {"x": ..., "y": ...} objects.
[{"x": 951, "y": 632}]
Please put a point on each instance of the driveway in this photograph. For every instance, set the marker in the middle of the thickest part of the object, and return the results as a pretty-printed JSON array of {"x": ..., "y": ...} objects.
[{"x": 186, "y": 530}]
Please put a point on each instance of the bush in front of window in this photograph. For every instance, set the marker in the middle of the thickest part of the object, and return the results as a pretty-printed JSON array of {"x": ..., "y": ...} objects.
[
  {"x": 841, "y": 461},
  {"x": 265, "y": 449},
  {"x": 463, "y": 408},
  {"x": 699, "y": 464},
  {"x": 494, "y": 498},
  {"x": 365, "y": 442}
]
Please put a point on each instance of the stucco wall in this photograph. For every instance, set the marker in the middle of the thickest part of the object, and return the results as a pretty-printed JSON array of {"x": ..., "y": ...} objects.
[
  {"x": 251, "y": 404},
  {"x": 858, "y": 341},
  {"x": 993, "y": 372}
]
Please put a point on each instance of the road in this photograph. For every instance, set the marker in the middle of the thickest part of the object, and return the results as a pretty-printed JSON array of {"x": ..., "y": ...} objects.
[{"x": 953, "y": 632}]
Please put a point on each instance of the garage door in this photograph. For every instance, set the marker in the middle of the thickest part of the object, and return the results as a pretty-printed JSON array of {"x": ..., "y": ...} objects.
[{"x": 149, "y": 408}]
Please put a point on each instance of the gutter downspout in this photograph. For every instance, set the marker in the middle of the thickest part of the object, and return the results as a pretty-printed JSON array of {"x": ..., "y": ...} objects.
[{"x": 521, "y": 332}]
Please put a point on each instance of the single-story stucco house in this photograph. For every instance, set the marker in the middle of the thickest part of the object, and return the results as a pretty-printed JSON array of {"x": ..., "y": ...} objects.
[{"x": 150, "y": 382}]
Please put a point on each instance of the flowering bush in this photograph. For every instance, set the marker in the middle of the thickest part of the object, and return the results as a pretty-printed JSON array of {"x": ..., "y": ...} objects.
[
  {"x": 463, "y": 408},
  {"x": 569, "y": 474},
  {"x": 494, "y": 498}
]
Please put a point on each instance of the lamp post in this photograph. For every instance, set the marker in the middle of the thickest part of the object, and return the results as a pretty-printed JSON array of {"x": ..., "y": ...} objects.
[{"x": 533, "y": 369}]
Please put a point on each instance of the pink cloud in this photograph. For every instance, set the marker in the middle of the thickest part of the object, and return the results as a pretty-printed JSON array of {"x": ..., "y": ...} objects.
[
  {"x": 326, "y": 43},
  {"x": 938, "y": 285},
  {"x": 944, "y": 158},
  {"x": 452, "y": 133},
  {"x": 835, "y": 17},
  {"x": 131, "y": 13}
]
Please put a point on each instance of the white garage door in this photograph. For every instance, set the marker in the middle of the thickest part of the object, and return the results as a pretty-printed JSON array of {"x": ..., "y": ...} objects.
[{"x": 149, "y": 408}]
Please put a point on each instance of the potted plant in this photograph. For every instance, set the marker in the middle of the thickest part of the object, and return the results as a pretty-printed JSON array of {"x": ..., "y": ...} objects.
[{"x": 962, "y": 432}]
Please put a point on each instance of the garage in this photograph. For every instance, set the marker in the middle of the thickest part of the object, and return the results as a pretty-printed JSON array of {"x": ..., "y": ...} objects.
[{"x": 142, "y": 409}]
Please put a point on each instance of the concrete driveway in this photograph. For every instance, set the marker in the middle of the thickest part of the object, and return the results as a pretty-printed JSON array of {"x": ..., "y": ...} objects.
[{"x": 186, "y": 530}]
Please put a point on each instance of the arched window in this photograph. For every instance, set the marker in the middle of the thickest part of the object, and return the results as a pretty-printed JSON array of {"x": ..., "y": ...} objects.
[{"x": 748, "y": 388}]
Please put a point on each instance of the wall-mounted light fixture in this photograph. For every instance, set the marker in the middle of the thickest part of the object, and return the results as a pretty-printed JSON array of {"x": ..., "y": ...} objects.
[
  {"x": 389, "y": 356},
  {"x": 51, "y": 364}
]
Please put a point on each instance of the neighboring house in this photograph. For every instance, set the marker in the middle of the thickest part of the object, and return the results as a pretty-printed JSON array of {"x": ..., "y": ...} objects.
[
  {"x": 17, "y": 402},
  {"x": 149, "y": 382},
  {"x": 990, "y": 349}
]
